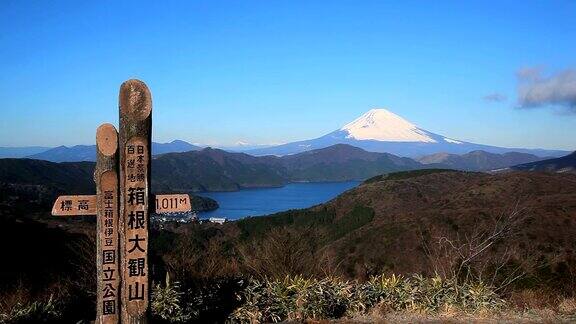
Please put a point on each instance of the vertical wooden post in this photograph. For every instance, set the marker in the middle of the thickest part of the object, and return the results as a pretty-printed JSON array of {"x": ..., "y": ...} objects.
[
  {"x": 135, "y": 142},
  {"x": 107, "y": 258}
]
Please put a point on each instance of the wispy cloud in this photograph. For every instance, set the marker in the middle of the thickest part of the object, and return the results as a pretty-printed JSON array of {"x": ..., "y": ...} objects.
[
  {"x": 532, "y": 73},
  {"x": 495, "y": 97},
  {"x": 536, "y": 90}
]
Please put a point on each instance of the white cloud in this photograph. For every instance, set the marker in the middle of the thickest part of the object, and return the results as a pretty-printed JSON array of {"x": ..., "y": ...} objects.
[
  {"x": 559, "y": 89},
  {"x": 495, "y": 97}
]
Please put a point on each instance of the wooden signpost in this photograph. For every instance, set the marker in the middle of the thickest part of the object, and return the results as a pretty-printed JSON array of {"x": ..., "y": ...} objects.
[
  {"x": 107, "y": 261},
  {"x": 135, "y": 139},
  {"x": 122, "y": 204}
]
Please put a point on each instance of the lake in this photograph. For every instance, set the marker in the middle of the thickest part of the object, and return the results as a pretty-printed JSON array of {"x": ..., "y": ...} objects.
[{"x": 264, "y": 201}]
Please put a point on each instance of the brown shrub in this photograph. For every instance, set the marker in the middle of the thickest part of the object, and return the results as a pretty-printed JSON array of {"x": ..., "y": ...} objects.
[
  {"x": 282, "y": 252},
  {"x": 533, "y": 299}
]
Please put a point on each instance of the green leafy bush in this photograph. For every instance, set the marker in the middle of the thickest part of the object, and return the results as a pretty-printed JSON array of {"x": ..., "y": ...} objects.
[
  {"x": 300, "y": 298},
  {"x": 167, "y": 302}
]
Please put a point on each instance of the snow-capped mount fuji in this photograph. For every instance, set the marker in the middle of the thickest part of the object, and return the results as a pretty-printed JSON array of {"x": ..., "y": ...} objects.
[
  {"x": 380, "y": 130},
  {"x": 385, "y": 126}
]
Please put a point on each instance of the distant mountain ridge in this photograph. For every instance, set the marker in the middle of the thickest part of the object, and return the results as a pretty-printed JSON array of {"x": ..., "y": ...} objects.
[
  {"x": 380, "y": 130},
  {"x": 20, "y": 152},
  {"x": 478, "y": 160},
  {"x": 343, "y": 162},
  {"x": 88, "y": 152},
  {"x": 563, "y": 164},
  {"x": 217, "y": 170}
]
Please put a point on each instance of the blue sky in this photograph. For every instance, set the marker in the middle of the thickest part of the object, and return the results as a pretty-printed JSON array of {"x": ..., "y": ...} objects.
[{"x": 279, "y": 71}]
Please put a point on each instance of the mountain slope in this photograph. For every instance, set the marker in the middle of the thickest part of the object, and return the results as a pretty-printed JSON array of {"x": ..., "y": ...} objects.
[
  {"x": 563, "y": 164},
  {"x": 380, "y": 130},
  {"x": 342, "y": 162},
  {"x": 88, "y": 152},
  {"x": 478, "y": 160},
  {"x": 214, "y": 170},
  {"x": 396, "y": 223},
  {"x": 38, "y": 182},
  {"x": 76, "y": 177}
]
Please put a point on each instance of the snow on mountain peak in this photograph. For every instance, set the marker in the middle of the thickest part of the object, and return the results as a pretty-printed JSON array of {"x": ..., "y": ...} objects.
[{"x": 383, "y": 125}]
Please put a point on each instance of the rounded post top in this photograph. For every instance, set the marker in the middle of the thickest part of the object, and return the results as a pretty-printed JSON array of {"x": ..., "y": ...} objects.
[
  {"x": 107, "y": 139},
  {"x": 135, "y": 99}
]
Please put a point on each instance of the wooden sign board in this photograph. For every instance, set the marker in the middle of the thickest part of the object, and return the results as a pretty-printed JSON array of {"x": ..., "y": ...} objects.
[
  {"x": 172, "y": 203},
  {"x": 164, "y": 204},
  {"x": 78, "y": 205}
]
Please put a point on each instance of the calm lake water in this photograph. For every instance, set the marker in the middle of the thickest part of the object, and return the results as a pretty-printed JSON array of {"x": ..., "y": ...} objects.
[{"x": 258, "y": 202}]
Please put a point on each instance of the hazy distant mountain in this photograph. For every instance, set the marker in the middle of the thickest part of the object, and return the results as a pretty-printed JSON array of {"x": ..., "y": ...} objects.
[
  {"x": 380, "y": 130},
  {"x": 563, "y": 164},
  {"x": 63, "y": 153},
  {"x": 175, "y": 146},
  {"x": 20, "y": 152},
  {"x": 88, "y": 152},
  {"x": 243, "y": 147},
  {"x": 478, "y": 160}
]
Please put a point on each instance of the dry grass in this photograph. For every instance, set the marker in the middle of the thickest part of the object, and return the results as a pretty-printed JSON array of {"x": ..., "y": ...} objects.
[
  {"x": 455, "y": 316},
  {"x": 531, "y": 299},
  {"x": 19, "y": 294}
]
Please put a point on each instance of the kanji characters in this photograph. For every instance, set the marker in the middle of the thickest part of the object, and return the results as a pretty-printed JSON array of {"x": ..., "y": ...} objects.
[
  {"x": 136, "y": 240},
  {"x": 109, "y": 307},
  {"x": 136, "y": 267},
  {"x": 136, "y": 291},
  {"x": 108, "y": 257},
  {"x": 108, "y": 274},
  {"x": 82, "y": 204},
  {"x": 109, "y": 291},
  {"x": 136, "y": 219},
  {"x": 136, "y": 196},
  {"x": 66, "y": 205}
]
